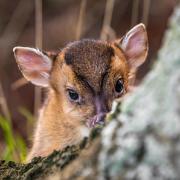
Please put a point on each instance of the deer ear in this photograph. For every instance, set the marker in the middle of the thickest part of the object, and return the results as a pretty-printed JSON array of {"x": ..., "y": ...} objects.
[
  {"x": 135, "y": 46},
  {"x": 34, "y": 65}
]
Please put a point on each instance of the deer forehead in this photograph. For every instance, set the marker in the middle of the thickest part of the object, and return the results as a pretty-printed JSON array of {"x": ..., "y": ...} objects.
[{"x": 89, "y": 60}]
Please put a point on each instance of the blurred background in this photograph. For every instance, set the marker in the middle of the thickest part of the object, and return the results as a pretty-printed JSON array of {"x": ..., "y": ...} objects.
[{"x": 50, "y": 25}]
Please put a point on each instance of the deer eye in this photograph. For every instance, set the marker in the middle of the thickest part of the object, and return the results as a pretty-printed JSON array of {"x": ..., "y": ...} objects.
[
  {"x": 119, "y": 86},
  {"x": 73, "y": 95}
]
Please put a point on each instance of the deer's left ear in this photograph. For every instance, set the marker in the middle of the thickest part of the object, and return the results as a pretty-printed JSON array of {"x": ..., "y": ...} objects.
[{"x": 135, "y": 46}]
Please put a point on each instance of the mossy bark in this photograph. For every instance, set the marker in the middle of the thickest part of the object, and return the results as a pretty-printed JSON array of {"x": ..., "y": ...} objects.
[{"x": 142, "y": 141}]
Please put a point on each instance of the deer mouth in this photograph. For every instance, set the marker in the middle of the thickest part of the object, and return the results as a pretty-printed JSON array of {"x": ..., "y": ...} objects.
[{"x": 98, "y": 119}]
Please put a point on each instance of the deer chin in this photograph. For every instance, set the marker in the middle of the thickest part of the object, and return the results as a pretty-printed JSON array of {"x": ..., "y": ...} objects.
[{"x": 84, "y": 131}]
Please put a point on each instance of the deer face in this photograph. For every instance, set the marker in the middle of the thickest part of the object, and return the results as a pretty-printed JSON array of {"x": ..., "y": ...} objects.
[{"x": 86, "y": 76}]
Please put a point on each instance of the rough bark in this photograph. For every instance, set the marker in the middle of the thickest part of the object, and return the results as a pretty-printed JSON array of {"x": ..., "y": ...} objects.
[{"x": 142, "y": 140}]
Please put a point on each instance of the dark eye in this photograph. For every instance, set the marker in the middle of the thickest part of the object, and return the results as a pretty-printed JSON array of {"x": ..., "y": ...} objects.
[
  {"x": 73, "y": 95},
  {"x": 119, "y": 86}
]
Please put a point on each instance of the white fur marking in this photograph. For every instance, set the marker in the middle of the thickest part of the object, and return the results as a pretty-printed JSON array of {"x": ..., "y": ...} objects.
[{"x": 84, "y": 131}]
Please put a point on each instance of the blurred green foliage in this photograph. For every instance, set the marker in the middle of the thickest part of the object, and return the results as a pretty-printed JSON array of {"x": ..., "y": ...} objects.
[{"x": 15, "y": 147}]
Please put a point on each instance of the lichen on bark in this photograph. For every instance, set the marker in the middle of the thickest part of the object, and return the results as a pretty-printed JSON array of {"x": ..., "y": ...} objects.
[{"x": 148, "y": 143}]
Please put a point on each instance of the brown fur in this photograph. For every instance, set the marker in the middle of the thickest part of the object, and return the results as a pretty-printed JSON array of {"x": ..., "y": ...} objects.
[
  {"x": 89, "y": 67},
  {"x": 89, "y": 61}
]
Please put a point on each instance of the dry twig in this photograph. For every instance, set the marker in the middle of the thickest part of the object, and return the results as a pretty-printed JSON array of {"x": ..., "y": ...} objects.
[
  {"x": 38, "y": 44},
  {"x": 19, "y": 83},
  {"x": 106, "y": 28},
  {"x": 3, "y": 104},
  {"x": 135, "y": 12},
  {"x": 81, "y": 19},
  {"x": 146, "y": 7}
]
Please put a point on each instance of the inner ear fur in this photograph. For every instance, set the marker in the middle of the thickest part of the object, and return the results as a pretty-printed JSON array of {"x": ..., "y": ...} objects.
[
  {"x": 134, "y": 45},
  {"x": 34, "y": 65}
]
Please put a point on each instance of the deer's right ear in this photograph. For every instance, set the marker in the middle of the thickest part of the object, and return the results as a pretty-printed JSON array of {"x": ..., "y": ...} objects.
[{"x": 34, "y": 65}]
